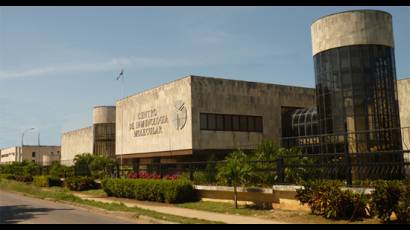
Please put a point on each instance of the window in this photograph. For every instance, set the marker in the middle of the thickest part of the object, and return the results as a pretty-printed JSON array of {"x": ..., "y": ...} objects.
[
  {"x": 251, "y": 124},
  {"x": 203, "y": 119},
  {"x": 243, "y": 123},
  {"x": 33, "y": 154},
  {"x": 219, "y": 122},
  {"x": 235, "y": 123},
  {"x": 228, "y": 122},
  {"x": 224, "y": 122},
  {"x": 211, "y": 122},
  {"x": 258, "y": 124}
]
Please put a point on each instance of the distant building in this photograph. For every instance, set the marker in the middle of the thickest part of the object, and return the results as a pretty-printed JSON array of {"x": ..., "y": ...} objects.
[
  {"x": 40, "y": 154},
  {"x": 97, "y": 139}
]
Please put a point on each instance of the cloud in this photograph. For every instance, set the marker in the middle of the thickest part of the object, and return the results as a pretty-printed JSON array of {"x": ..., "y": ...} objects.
[{"x": 112, "y": 64}]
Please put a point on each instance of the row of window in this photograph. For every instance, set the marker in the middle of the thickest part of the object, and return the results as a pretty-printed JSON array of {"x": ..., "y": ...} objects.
[
  {"x": 226, "y": 122},
  {"x": 33, "y": 154}
]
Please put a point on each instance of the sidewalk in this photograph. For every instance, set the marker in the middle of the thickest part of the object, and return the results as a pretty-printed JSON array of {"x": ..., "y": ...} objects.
[{"x": 185, "y": 212}]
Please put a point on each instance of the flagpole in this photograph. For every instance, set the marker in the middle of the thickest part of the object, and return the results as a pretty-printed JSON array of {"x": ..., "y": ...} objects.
[{"x": 122, "y": 118}]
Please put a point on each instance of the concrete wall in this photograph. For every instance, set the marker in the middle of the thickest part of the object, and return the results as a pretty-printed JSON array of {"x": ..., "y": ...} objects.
[
  {"x": 403, "y": 91},
  {"x": 352, "y": 28},
  {"x": 154, "y": 121},
  {"x": 104, "y": 114},
  {"x": 76, "y": 142},
  {"x": 222, "y": 96}
]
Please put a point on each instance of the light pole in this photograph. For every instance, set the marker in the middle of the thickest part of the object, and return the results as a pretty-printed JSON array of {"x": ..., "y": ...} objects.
[
  {"x": 22, "y": 136},
  {"x": 22, "y": 143}
]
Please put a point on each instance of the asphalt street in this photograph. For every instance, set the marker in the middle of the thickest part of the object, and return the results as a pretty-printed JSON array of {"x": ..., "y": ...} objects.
[{"x": 19, "y": 209}]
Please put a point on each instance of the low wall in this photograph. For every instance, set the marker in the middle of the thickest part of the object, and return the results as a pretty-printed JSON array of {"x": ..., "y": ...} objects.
[{"x": 279, "y": 196}]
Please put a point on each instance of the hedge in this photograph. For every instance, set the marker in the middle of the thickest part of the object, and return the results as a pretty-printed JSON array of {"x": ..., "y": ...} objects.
[
  {"x": 80, "y": 183},
  {"x": 46, "y": 181},
  {"x": 169, "y": 191}
]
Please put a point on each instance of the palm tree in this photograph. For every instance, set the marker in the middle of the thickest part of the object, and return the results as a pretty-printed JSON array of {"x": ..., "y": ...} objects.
[{"x": 235, "y": 171}]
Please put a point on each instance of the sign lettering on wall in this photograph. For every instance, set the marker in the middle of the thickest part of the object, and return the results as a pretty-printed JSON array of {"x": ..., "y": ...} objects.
[
  {"x": 151, "y": 122},
  {"x": 148, "y": 123}
]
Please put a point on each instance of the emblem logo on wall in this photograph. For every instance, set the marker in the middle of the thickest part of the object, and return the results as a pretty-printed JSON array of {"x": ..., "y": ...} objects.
[{"x": 179, "y": 117}]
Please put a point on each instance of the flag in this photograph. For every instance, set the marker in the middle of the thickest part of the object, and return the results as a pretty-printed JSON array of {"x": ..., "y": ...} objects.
[{"x": 120, "y": 75}]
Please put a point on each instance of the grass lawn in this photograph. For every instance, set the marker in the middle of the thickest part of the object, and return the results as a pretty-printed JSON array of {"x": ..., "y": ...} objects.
[
  {"x": 275, "y": 214},
  {"x": 95, "y": 193},
  {"x": 63, "y": 194}
]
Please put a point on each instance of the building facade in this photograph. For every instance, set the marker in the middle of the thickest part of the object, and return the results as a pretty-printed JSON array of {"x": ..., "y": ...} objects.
[
  {"x": 42, "y": 154},
  {"x": 97, "y": 139},
  {"x": 194, "y": 117}
]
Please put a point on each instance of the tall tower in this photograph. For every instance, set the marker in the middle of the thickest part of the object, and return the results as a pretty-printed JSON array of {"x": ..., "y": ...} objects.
[
  {"x": 355, "y": 73},
  {"x": 104, "y": 130}
]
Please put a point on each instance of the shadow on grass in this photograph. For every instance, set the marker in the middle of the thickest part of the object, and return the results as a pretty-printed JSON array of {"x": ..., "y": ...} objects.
[{"x": 17, "y": 213}]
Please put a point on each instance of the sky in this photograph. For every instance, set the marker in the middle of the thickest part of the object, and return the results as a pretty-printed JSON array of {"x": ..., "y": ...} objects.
[{"x": 57, "y": 63}]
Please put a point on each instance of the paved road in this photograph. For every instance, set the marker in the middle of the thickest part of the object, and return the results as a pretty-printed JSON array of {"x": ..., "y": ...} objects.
[{"x": 15, "y": 208}]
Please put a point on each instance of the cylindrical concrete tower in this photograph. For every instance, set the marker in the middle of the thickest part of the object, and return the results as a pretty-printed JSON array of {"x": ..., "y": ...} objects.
[
  {"x": 355, "y": 75},
  {"x": 104, "y": 130}
]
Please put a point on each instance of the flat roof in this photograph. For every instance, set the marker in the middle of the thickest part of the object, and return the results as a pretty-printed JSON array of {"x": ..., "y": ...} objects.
[{"x": 209, "y": 77}]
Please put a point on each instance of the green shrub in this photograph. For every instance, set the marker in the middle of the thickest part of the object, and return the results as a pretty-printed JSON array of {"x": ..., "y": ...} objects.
[
  {"x": 389, "y": 197},
  {"x": 7, "y": 176},
  {"x": 170, "y": 191},
  {"x": 24, "y": 168},
  {"x": 46, "y": 181},
  {"x": 325, "y": 198},
  {"x": 80, "y": 183}
]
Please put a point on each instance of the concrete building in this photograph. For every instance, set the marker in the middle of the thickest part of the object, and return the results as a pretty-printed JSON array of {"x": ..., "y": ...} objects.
[
  {"x": 403, "y": 90},
  {"x": 196, "y": 116},
  {"x": 40, "y": 154},
  {"x": 97, "y": 139}
]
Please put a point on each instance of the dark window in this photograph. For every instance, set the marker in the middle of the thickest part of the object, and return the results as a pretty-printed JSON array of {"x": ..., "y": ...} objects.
[
  {"x": 33, "y": 154},
  {"x": 211, "y": 122},
  {"x": 243, "y": 123},
  {"x": 251, "y": 124},
  {"x": 358, "y": 94},
  {"x": 235, "y": 123},
  {"x": 224, "y": 122},
  {"x": 219, "y": 122},
  {"x": 228, "y": 122},
  {"x": 203, "y": 120}
]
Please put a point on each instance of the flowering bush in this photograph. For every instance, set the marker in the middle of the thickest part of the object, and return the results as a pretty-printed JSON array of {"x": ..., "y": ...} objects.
[{"x": 145, "y": 175}]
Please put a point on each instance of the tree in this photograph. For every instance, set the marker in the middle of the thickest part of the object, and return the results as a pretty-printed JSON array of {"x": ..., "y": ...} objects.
[
  {"x": 235, "y": 171},
  {"x": 264, "y": 172},
  {"x": 82, "y": 163},
  {"x": 101, "y": 166},
  {"x": 58, "y": 170},
  {"x": 87, "y": 164}
]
